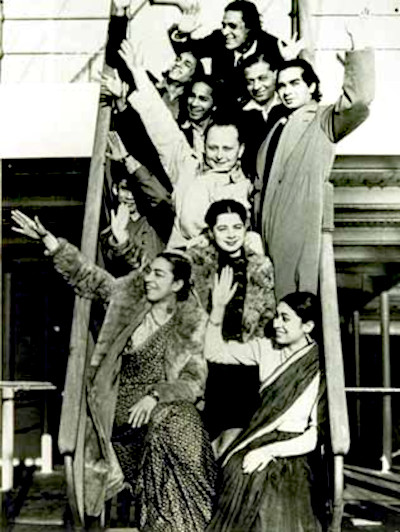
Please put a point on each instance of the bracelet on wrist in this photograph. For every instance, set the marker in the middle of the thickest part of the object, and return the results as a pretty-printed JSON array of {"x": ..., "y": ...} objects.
[{"x": 154, "y": 394}]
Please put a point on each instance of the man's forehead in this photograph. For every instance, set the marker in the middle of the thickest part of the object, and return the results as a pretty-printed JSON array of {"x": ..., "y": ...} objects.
[
  {"x": 228, "y": 131},
  {"x": 233, "y": 16},
  {"x": 187, "y": 56},
  {"x": 291, "y": 73},
  {"x": 201, "y": 87},
  {"x": 261, "y": 67}
]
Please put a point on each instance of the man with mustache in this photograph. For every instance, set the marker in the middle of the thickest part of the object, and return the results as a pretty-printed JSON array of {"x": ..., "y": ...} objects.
[{"x": 239, "y": 38}]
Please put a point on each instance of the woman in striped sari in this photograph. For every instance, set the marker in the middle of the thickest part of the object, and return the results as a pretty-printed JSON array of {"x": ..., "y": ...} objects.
[{"x": 265, "y": 476}]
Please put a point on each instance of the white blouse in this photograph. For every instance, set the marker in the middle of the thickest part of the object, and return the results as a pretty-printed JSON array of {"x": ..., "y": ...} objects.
[{"x": 271, "y": 362}]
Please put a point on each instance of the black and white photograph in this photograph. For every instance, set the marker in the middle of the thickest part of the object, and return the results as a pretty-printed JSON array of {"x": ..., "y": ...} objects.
[{"x": 200, "y": 255}]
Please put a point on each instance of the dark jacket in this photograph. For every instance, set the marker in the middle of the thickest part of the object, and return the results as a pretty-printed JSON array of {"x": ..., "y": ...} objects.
[
  {"x": 223, "y": 66},
  {"x": 148, "y": 235}
]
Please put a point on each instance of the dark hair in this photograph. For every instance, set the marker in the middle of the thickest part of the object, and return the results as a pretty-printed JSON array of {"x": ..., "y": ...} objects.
[
  {"x": 122, "y": 177},
  {"x": 308, "y": 75},
  {"x": 199, "y": 78},
  {"x": 209, "y": 80},
  {"x": 250, "y": 15},
  {"x": 304, "y": 304},
  {"x": 223, "y": 119},
  {"x": 198, "y": 70},
  {"x": 222, "y": 207},
  {"x": 254, "y": 59},
  {"x": 181, "y": 270}
]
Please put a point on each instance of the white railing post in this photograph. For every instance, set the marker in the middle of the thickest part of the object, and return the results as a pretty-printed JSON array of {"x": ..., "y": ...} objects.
[{"x": 7, "y": 449}]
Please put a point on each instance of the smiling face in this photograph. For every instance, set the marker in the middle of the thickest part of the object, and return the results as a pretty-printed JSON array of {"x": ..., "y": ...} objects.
[
  {"x": 289, "y": 328},
  {"x": 200, "y": 102},
  {"x": 222, "y": 148},
  {"x": 183, "y": 68},
  {"x": 229, "y": 233},
  {"x": 260, "y": 81},
  {"x": 159, "y": 281},
  {"x": 125, "y": 196},
  {"x": 292, "y": 89},
  {"x": 234, "y": 29}
]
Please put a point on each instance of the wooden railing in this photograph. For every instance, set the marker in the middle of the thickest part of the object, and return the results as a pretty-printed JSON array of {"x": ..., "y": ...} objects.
[
  {"x": 73, "y": 414},
  {"x": 337, "y": 406}
]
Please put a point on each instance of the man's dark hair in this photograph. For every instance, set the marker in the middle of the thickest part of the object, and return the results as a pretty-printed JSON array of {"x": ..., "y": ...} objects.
[
  {"x": 309, "y": 76},
  {"x": 209, "y": 80},
  {"x": 254, "y": 59},
  {"x": 225, "y": 206},
  {"x": 198, "y": 70},
  {"x": 250, "y": 15}
]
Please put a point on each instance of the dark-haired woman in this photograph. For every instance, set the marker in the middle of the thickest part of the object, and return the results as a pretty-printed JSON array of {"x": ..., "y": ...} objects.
[
  {"x": 266, "y": 482},
  {"x": 148, "y": 373},
  {"x": 232, "y": 393}
]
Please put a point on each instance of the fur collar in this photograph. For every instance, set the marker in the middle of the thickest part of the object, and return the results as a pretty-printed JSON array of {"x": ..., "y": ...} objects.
[
  {"x": 259, "y": 303},
  {"x": 186, "y": 320}
]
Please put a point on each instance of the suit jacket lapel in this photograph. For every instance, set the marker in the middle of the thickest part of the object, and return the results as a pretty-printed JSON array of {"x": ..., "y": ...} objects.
[{"x": 295, "y": 128}]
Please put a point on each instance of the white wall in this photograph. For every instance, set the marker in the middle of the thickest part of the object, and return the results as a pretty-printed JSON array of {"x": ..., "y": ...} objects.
[{"x": 42, "y": 115}]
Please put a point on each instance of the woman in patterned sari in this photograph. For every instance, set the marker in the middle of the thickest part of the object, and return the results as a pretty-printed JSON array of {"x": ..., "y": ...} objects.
[
  {"x": 266, "y": 478},
  {"x": 147, "y": 375}
]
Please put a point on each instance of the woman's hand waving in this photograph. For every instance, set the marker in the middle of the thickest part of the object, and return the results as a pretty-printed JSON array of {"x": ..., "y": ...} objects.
[
  {"x": 33, "y": 229},
  {"x": 28, "y": 227},
  {"x": 224, "y": 289},
  {"x": 222, "y": 293}
]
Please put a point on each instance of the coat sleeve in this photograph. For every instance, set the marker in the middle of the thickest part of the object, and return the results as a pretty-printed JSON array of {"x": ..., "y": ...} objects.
[
  {"x": 352, "y": 108},
  {"x": 204, "y": 47},
  {"x": 155, "y": 201},
  {"x": 87, "y": 279},
  {"x": 268, "y": 301},
  {"x": 189, "y": 384},
  {"x": 171, "y": 144}
]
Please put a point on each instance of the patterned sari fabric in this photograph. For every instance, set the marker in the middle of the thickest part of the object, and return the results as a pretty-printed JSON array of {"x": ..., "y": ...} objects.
[
  {"x": 278, "y": 498},
  {"x": 168, "y": 463}
]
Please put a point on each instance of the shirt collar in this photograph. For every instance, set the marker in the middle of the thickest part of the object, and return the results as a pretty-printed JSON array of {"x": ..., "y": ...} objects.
[
  {"x": 252, "y": 105},
  {"x": 235, "y": 175},
  {"x": 247, "y": 52},
  {"x": 187, "y": 124}
]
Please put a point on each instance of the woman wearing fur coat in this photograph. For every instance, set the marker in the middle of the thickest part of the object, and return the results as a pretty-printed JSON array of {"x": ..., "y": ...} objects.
[
  {"x": 232, "y": 393},
  {"x": 147, "y": 373}
]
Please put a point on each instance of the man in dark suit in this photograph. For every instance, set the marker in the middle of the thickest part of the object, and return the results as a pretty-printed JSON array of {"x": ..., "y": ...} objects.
[
  {"x": 240, "y": 37},
  {"x": 262, "y": 110}
]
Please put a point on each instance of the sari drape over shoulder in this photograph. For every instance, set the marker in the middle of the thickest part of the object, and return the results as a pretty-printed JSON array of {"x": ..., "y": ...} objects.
[{"x": 279, "y": 496}]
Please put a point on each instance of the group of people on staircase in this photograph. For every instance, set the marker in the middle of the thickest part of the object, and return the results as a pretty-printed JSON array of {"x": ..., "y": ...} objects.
[{"x": 205, "y": 389}]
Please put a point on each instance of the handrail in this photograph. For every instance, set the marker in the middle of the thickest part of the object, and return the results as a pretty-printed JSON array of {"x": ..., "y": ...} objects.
[
  {"x": 335, "y": 382},
  {"x": 73, "y": 414}
]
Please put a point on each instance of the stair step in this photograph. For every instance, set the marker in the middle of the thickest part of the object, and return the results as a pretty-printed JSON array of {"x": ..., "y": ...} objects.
[
  {"x": 384, "y": 482},
  {"x": 46, "y": 501}
]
